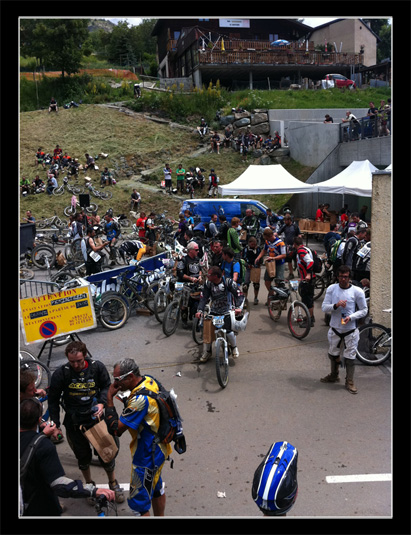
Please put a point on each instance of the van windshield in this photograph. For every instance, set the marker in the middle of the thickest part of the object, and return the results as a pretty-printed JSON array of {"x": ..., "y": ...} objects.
[{"x": 255, "y": 208}]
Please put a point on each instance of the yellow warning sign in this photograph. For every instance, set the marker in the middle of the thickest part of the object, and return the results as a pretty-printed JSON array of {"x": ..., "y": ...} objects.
[{"x": 50, "y": 315}]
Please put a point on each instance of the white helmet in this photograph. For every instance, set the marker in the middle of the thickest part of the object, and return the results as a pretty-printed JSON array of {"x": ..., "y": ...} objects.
[{"x": 239, "y": 325}]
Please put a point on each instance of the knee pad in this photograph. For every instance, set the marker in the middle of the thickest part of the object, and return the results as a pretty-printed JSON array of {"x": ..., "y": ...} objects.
[
  {"x": 256, "y": 286},
  {"x": 84, "y": 466}
]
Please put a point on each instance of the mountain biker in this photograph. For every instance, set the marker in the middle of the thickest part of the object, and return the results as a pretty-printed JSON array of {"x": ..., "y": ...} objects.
[
  {"x": 141, "y": 418},
  {"x": 225, "y": 295},
  {"x": 112, "y": 231},
  {"x": 81, "y": 387},
  {"x": 250, "y": 254},
  {"x": 275, "y": 249},
  {"x": 134, "y": 248},
  {"x": 250, "y": 223},
  {"x": 188, "y": 270},
  {"x": 305, "y": 267}
]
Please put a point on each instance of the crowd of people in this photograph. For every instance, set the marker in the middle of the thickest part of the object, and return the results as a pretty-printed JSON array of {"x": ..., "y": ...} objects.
[
  {"x": 231, "y": 246},
  {"x": 57, "y": 162}
]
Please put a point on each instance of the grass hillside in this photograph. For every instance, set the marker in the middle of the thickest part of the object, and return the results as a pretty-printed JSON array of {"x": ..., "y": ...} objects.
[{"x": 132, "y": 143}]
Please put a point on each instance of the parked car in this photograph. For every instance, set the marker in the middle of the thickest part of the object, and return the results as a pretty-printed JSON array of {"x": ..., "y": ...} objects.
[{"x": 341, "y": 81}]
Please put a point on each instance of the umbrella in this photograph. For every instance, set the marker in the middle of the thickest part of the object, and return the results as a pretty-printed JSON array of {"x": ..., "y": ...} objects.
[{"x": 280, "y": 42}]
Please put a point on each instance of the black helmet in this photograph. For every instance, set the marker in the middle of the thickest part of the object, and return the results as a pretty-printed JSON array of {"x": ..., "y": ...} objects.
[{"x": 275, "y": 485}]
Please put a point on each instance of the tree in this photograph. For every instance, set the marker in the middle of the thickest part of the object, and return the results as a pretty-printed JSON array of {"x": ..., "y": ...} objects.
[{"x": 58, "y": 43}]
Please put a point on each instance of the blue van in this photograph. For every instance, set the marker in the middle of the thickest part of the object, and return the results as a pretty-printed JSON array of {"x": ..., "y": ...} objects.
[{"x": 203, "y": 209}]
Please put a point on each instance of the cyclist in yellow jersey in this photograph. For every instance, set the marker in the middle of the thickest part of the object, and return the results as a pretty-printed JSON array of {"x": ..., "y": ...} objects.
[{"x": 141, "y": 418}]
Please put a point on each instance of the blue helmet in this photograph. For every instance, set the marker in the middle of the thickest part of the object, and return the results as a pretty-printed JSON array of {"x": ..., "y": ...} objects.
[{"x": 275, "y": 485}]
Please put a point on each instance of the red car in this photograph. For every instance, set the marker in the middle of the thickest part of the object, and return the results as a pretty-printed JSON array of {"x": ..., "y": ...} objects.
[{"x": 341, "y": 81}]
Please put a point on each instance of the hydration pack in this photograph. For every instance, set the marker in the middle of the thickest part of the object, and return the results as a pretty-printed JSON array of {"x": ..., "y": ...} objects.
[{"x": 170, "y": 429}]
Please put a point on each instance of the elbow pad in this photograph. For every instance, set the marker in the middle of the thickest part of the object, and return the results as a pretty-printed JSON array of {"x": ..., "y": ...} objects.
[{"x": 111, "y": 419}]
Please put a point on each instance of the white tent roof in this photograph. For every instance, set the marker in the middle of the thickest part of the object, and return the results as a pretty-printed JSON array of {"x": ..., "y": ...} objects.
[
  {"x": 356, "y": 179},
  {"x": 265, "y": 180}
]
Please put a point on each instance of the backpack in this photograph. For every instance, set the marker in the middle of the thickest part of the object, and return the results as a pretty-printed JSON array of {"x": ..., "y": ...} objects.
[
  {"x": 318, "y": 265},
  {"x": 336, "y": 250},
  {"x": 25, "y": 461},
  {"x": 243, "y": 269},
  {"x": 207, "y": 233},
  {"x": 170, "y": 429}
]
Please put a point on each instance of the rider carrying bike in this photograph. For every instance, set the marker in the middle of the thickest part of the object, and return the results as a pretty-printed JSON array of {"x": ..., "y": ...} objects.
[{"x": 225, "y": 296}]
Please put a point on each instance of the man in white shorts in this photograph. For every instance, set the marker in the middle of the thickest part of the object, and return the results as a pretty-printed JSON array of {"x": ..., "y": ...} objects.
[{"x": 346, "y": 303}]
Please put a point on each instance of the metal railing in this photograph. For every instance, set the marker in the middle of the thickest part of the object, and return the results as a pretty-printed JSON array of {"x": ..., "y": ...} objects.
[
  {"x": 365, "y": 128},
  {"x": 35, "y": 288}
]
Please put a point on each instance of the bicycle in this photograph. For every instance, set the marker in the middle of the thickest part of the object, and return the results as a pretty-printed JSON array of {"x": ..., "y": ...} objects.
[
  {"x": 42, "y": 376},
  {"x": 298, "y": 316},
  {"x": 75, "y": 190},
  {"x": 139, "y": 289},
  {"x": 182, "y": 293},
  {"x": 104, "y": 195},
  {"x": 374, "y": 344},
  {"x": 71, "y": 210},
  {"x": 164, "y": 296}
]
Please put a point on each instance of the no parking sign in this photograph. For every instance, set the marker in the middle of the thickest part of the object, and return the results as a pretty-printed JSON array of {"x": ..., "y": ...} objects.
[{"x": 50, "y": 315}]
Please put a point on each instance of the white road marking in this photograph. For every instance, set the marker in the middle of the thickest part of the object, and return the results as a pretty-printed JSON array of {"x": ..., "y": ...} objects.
[
  {"x": 125, "y": 486},
  {"x": 359, "y": 478}
]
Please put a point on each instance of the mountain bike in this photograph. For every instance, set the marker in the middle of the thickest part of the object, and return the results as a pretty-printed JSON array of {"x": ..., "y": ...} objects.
[
  {"x": 42, "y": 376},
  {"x": 75, "y": 190},
  {"x": 139, "y": 289},
  {"x": 104, "y": 195},
  {"x": 374, "y": 344},
  {"x": 164, "y": 296},
  {"x": 182, "y": 294},
  {"x": 72, "y": 210},
  {"x": 298, "y": 316},
  {"x": 103, "y": 506}
]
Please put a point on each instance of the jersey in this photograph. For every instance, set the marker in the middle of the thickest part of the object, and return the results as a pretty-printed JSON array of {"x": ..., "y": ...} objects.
[
  {"x": 276, "y": 248},
  {"x": 305, "y": 262},
  {"x": 222, "y": 295}
]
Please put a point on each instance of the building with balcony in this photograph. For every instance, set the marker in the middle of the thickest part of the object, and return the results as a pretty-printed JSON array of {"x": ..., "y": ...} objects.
[{"x": 240, "y": 54}]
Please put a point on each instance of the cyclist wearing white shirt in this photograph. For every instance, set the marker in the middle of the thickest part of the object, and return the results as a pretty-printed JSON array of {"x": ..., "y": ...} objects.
[{"x": 346, "y": 303}]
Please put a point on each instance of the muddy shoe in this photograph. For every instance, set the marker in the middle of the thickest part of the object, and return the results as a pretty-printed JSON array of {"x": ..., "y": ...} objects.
[{"x": 119, "y": 491}]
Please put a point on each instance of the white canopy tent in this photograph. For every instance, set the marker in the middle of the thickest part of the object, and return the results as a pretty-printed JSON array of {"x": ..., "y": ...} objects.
[
  {"x": 265, "y": 180},
  {"x": 356, "y": 179}
]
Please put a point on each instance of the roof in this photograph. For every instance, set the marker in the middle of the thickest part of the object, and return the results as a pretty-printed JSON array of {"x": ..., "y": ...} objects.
[{"x": 339, "y": 20}]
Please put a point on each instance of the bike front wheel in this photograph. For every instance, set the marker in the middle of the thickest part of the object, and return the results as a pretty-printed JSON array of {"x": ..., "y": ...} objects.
[
  {"x": 113, "y": 310},
  {"x": 40, "y": 254},
  {"x": 299, "y": 320},
  {"x": 275, "y": 307},
  {"x": 221, "y": 362},
  {"x": 41, "y": 371},
  {"x": 58, "y": 191},
  {"x": 161, "y": 300},
  {"x": 171, "y": 318},
  {"x": 374, "y": 344}
]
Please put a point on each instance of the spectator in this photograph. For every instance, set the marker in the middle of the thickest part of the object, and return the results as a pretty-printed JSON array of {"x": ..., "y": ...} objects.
[
  {"x": 346, "y": 303},
  {"x": 113, "y": 232},
  {"x": 29, "y": 217},
  {"x": 82, "y": 385},
  {"x": 228, "y": 136},
  {"x": 275, "y": 249},
  {"x": 135, "y": 200},
  {"x": 328, "y": 119},
  {"x": 305, "y": 265},
  {"x": 137, "y": 90},
  {"x": 53, "y": 105},
  {"x": 361, "y": 262},
  {"x": 180, "y": 172},
  {"x": 268, "y": 143},
  {"x": 167, "y": 177},
  {"x": 215, "y": 142},
  {"x": 51, "y": 184},
  {"x": 213, "y": 180},
  {"x": 24, "y": 186},
  {"x": 343, "y": 219},
  {"x": 330, "y": 238},
  {"x": 319, "y": 215},
  {"x": 276, "y": 141},
  {"x": 373, "y": 115},
  {"x": 141, "y": 418},
  {"x": 46, "y": 479},
  {"x": 106, "y": 178},
  {"x": 151, "y": 229},
  {"x": 352, "y": 130},
  {"x": 40, "y": 156},
  {"x": 90, "y": 163},
  {"x": 203, "y": 128}
]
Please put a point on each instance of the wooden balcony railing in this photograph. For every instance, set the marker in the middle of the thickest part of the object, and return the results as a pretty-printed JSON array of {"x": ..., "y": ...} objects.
[{"x": 283, "y": 56}]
